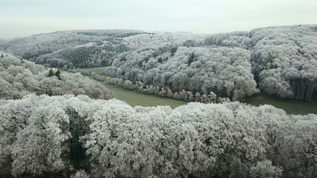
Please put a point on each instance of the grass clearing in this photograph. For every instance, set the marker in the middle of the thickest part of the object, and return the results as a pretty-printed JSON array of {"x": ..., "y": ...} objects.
[
  {"x": 138, "y": 99},
  {"x": 98, "y": 70}
]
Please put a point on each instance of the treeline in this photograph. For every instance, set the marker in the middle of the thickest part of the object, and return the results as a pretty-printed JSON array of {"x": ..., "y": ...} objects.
[
  {"x": 19, "y": 77},
  {"x": 154, "y": 90},
  {"x": 59, "y": 135}
]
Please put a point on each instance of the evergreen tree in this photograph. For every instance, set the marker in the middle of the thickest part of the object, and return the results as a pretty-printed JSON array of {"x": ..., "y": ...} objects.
[
  {"x": 57, "y": 74},
  {"x": 50, "y": 73}
]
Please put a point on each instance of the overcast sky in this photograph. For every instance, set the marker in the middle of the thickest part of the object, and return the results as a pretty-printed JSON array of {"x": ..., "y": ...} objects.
[{"x": 20, "y": 18}]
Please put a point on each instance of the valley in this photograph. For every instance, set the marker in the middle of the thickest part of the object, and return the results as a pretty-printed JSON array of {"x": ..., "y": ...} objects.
[
  {"x": 135, "y": 98},
  {"x": 76, "y": 104}
]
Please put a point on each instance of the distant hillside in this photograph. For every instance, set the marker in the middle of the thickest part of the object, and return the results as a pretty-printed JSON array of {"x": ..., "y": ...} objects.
[
  {"x": 58, "y": 47},
  {"x": 280, "y": 61}
]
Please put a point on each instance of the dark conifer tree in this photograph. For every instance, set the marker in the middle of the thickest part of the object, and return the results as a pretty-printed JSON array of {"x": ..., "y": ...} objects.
[
  {"x": 57, "y": 74},
  {"x": 50, "y": 73}
]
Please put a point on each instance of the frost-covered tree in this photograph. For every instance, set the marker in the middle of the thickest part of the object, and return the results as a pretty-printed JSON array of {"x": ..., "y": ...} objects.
[
  {"x": 265, "y": 169},
  {"x": 224, "y": 71},
  {"x": 40, "y": 145}
]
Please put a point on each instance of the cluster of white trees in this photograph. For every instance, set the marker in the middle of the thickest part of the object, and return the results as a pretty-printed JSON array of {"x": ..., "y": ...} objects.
[
  {"x": 88, "y": 56},
  {"x": 41, "y": 134},
  {"x": 154, "y": 90},
  {"x": 233, "y": 39},
  {"x": 224, "y": 71},
  {"x": 285, "y": 61},
  {"x": 19, "y": 77}
]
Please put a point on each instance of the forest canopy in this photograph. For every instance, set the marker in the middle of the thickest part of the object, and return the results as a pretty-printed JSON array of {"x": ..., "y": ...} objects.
[{"x": 108, "y": 138}]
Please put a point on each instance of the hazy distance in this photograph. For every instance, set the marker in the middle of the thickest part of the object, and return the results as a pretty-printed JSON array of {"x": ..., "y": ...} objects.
[{"x": 22, "y": 18}]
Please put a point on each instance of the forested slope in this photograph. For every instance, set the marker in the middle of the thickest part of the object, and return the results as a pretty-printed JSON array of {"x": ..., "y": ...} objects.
[
  {"x": 70, "y": 48},
  {"x": 108, "y": 138},
  {"x": 20, "y": 77},
  {"x": 280, "y": 61},
  {"x": 224, "y": 71}
]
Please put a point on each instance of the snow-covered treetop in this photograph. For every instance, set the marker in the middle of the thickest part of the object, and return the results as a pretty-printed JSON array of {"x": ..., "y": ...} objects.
[{"x": 202, "y": 140}]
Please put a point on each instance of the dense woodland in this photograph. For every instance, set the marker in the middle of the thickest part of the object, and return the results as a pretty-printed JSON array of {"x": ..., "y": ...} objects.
[
  {"x": 62, "y": 134},
  {"x": 59, "y": 124},
  {"x": 278, "y": 61}
]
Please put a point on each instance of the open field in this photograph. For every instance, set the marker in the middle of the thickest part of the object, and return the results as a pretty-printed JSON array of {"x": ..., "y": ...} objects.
[{"x": 135, "y": 98}]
